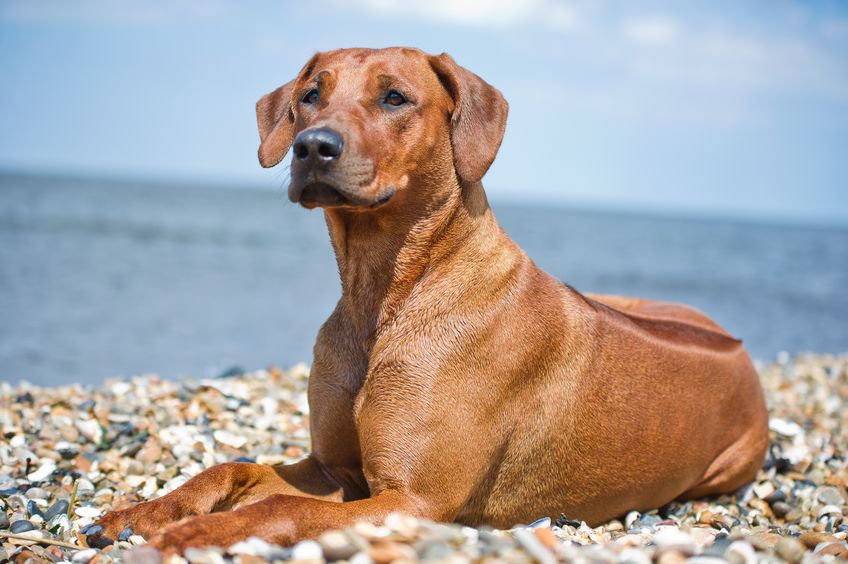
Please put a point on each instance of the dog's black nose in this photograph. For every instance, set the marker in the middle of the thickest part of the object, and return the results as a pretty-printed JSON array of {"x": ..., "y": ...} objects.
[{"x": 320, "y": 144}]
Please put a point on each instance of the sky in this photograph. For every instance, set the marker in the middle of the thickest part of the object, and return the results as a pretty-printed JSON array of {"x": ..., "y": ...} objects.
[{"x": 713, "y": 107}]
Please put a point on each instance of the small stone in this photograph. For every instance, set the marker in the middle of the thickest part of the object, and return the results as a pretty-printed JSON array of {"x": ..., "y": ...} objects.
[
  {"x": 4, "y": 520},
  {"x": 829, "y": 510},
  {"x": 84, "y": 488},
  {"x": 702, "y": 536},
  {"x": 790, "y": 550},
  {"x": 36, "y": 493},
  {"x": 534, "y": 546},
  {"x": 780, "y": 509},
  {"x": 649, "y": 520},
  {"x": 540, "y": 523},
  {"x": 307, "y": 550},
  {"x": 837, "y": 549},
  {"x": 740, "y": 552},
  {"x": 91, "y": 430},
  {"x": 546, "y": 537},
  {"x": 21, "y": 526},
  {"x": 830, "y": 496},
  {"x": 763, "y": 490},
  {"x": 794, "y": 515},
  {"x": 70, "y": 434},
  {"x": 141, "y": 555},
  {"x": 18, "y": 516},
  {"x": 83, "y": 556},
  {"x": 720, "y": 545},
  {"x": 87, "y": 511},
  {"x": 811, "y": 539},
  {"x": 135, "y": 468},
  {"x": 630, "y": 519},
  {"x": 57, "y": 508},
  {"x": 746, "y": 492},
  {"x": 666, "y": 557},
  {"x": 404, "y": 525},
  {"x": 384, "y": 552},
  {"x": 150, "y": 488},
  {"x": 61, "y": 521},
  {"x": 775, "y": 496},
  {"x": 672, "y": 538},
  {"x": 137, "y": 540},
  {"x": 785, "y": 428},
  {"x": 636, "y": 556},
  {"x": 230, "y": 439},
  {"x": 252, "y": 546},
  {"x": 203, "y": 556},
  {"x": 44, "y": 472},
  {"x": 87, "y": 405},
  {"x": 360, "y": 558},
  {"x": 764, "y": 540},
  {"x": 92, "y": 530},
  {"x": 373, "y": 532},
  {"x": 125, "y": 534},
  {"x": 17, "y": 501},
  {"x": 67, "y": 449},
  {"x": 434, "y": 550},
  {"x": 337, "y": 545},
  {"x": 614, "y": 525}
]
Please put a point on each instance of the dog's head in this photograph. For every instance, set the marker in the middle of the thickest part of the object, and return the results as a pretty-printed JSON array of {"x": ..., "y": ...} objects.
[{"x": 368, "y": 125}]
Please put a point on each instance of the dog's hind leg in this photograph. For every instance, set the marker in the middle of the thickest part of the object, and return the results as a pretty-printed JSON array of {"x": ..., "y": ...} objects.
[{"x": 732, "y": 469}]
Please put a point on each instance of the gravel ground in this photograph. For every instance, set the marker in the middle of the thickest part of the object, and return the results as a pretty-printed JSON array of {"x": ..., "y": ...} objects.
[{"x": 69, "y": 454}]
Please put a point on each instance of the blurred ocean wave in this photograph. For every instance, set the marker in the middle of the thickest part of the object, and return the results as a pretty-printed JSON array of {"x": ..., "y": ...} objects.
[{"x": 102, "y": 278}]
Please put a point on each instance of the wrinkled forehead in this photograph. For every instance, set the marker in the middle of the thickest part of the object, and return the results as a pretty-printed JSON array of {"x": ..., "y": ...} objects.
[{"x": 360, "y": 69}]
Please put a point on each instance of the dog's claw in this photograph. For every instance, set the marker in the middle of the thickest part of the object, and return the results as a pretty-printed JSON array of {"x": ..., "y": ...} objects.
[{"x": 98, "y": 540}]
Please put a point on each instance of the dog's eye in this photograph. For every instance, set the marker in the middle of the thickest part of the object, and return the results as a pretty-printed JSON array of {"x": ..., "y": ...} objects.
[
  {"x": 310, "y": 97},
  {"x": 394, "y": 98}
]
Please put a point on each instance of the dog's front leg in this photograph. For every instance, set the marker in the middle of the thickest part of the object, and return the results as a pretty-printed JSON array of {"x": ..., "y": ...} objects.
[
  {"x": 284, "y": 519},
  {"x": 220, "y": 488}
]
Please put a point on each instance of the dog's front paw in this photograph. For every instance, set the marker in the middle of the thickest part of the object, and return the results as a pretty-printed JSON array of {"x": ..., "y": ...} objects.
[
  {"x": 145, "y": 519},
  {"x": 216, "y": 529}
]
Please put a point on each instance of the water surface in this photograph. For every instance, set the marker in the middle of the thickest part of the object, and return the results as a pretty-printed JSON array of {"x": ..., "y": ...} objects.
[{"x": 102, "y": 278}]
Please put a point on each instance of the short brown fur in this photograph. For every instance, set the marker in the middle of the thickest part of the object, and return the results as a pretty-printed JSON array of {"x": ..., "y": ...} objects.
[{"x": 455, "y": 380}]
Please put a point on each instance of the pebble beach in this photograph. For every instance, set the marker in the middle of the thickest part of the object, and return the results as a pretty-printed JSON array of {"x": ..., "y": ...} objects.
[{"x": 69, "y": 454}]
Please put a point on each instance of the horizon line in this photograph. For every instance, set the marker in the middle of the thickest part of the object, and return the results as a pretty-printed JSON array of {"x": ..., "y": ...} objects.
[{"x": 632, "y": 209}]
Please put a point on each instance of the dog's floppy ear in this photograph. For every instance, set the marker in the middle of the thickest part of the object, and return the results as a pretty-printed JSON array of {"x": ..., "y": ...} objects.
[
  {"x": 275, "y": 117},
  {"x": 276, "y": 125},
  {"x": 478, "y": 120}
]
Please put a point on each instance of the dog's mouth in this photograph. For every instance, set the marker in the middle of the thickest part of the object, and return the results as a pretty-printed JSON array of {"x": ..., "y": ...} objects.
[{"x": 322, "y": 194}]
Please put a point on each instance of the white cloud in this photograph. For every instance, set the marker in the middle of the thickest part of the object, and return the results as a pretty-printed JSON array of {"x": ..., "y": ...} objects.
[
  {"x": 658, "y": 70},
  {"x": 744, "y": 63},
  {"x": 563, "y": 17},
  {"x": 485, "y": 13},
  {"x": 109, "y": 11},
  {"x": 657, "y": 30},
  {"x": 555, "y": 14}
]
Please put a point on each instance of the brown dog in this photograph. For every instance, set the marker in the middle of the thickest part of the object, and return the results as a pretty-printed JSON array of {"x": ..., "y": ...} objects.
[{"x": 455, "y": 380}]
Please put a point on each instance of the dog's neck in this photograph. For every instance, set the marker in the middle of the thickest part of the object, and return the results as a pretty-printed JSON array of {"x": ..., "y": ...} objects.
[{"x": 383, "y": 256}]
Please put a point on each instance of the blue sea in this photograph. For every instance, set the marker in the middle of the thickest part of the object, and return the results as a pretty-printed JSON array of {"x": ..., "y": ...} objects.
[{"x": 103, "y": 278}]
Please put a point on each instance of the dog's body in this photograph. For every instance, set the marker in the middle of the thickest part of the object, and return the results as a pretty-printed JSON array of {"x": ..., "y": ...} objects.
[{"x": 455, "y": 380}]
